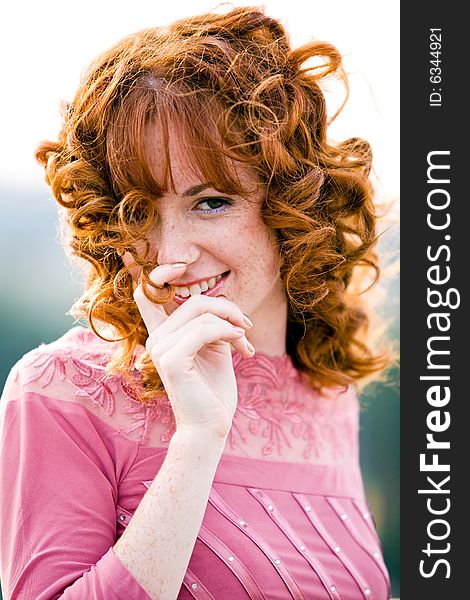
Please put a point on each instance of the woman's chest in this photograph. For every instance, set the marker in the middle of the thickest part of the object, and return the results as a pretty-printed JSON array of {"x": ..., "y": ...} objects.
[{"x": 304, "y": 538}]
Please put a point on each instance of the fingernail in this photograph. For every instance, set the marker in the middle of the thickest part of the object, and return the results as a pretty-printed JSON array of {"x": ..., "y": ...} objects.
[
  {"x": 247, "y": 321},
  {"x": 177, "y": 265},
  {"x": 239, "y": 329},
  {"x": 250, "y": 347}
]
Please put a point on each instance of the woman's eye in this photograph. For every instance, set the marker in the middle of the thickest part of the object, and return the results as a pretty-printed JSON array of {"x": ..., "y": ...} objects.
[{"x": 215, "y": 205}]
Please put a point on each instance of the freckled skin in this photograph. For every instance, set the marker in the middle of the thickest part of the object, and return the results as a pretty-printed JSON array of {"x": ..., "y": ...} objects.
[
  {"x": 158, "y": 542},
  {"x": 235, "y": 240}
]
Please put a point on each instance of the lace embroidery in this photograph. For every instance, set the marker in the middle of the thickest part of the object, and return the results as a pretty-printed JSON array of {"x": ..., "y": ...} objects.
[
  {"x": 144, "y": 414},
  {"x": 45, "y": 367},
  {"x": 272, "y": 395},
  {"x": 89, "y": 380},
  {"x": 93, "y": 385},
  {"x": 275, "y": 400}
]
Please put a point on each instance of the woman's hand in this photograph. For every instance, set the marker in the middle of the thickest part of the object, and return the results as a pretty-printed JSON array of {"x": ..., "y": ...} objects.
[{"x": 191, "y": 352}]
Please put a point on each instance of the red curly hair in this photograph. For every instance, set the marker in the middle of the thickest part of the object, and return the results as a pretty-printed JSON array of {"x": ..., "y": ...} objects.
[{"x": 237, "y": 91}]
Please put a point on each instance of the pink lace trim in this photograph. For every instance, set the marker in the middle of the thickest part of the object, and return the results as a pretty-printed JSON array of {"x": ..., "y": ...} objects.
[
  {"x": 280, "y": 405},
  {"x": 145, "y": 414},
  {"x": 275, "y": 401}
]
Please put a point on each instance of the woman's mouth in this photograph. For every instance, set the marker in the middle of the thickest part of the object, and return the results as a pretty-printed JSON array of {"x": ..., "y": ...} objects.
[{"x": 210, "y": 287}]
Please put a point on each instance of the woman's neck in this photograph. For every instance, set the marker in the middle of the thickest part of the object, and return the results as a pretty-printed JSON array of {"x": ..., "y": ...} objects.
[{"x": 268, "y": 334}]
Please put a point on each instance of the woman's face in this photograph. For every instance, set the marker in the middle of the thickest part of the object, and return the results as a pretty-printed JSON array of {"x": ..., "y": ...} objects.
[{"x": 217, "y": 233}]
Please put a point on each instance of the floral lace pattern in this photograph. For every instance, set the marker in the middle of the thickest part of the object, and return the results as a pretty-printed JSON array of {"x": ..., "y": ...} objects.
[
  {"x": 275, "y": 401},
  {"x": 279, "y": 405},
  {"x": 144, "y": 414}
]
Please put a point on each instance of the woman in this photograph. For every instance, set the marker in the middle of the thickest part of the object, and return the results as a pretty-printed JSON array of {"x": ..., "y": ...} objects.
[{"x": 201, "y": 440}]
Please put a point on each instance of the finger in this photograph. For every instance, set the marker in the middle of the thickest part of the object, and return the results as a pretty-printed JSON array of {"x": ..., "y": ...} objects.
[
  {"x": 168, "y": 340},
  {"x": 199, "y": 323},
  {"x": 153, "y": 314},
  {"x": 199, "y": 305},
  {"x": 243, "y": 346},
  {"x": 173, "y": 350}
]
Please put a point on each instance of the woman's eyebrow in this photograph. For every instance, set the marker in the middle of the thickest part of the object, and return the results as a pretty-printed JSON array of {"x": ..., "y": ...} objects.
[{"x": 196, "y": 189}]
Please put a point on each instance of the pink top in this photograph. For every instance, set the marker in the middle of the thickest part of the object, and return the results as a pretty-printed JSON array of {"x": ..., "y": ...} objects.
[{"x": 286, "y": 518}]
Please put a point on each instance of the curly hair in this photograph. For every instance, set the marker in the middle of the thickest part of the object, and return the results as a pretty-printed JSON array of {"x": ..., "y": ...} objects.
[{"x": 237, "y": 91}]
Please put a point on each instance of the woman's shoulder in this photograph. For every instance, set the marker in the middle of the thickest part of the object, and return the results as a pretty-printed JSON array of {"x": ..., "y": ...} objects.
[
  {"x": 71, "y": 371},
  {"x": 55, "y": 364},
  {"x": 78, "y": 343}
]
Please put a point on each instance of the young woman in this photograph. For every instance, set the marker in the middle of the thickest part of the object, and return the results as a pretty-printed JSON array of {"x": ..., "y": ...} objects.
[{"x": 200, "y": 440}]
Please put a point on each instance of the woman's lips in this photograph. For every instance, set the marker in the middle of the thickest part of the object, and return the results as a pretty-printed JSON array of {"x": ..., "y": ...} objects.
[{"x": 212, "y": 292}]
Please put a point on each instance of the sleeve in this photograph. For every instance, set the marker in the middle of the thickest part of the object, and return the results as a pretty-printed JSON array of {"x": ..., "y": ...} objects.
[{"x": 57, "y": 502}]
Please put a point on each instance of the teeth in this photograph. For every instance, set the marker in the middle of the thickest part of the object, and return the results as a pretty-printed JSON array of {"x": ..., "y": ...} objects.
[{"x": 197, "y": 288}]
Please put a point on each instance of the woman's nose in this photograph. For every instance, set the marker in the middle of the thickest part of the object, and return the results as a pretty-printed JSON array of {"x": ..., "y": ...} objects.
[{"x": 174, "y": 243}]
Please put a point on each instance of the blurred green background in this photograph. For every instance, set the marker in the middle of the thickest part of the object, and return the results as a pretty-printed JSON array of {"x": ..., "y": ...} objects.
[{"x": 38, "y": 286}]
